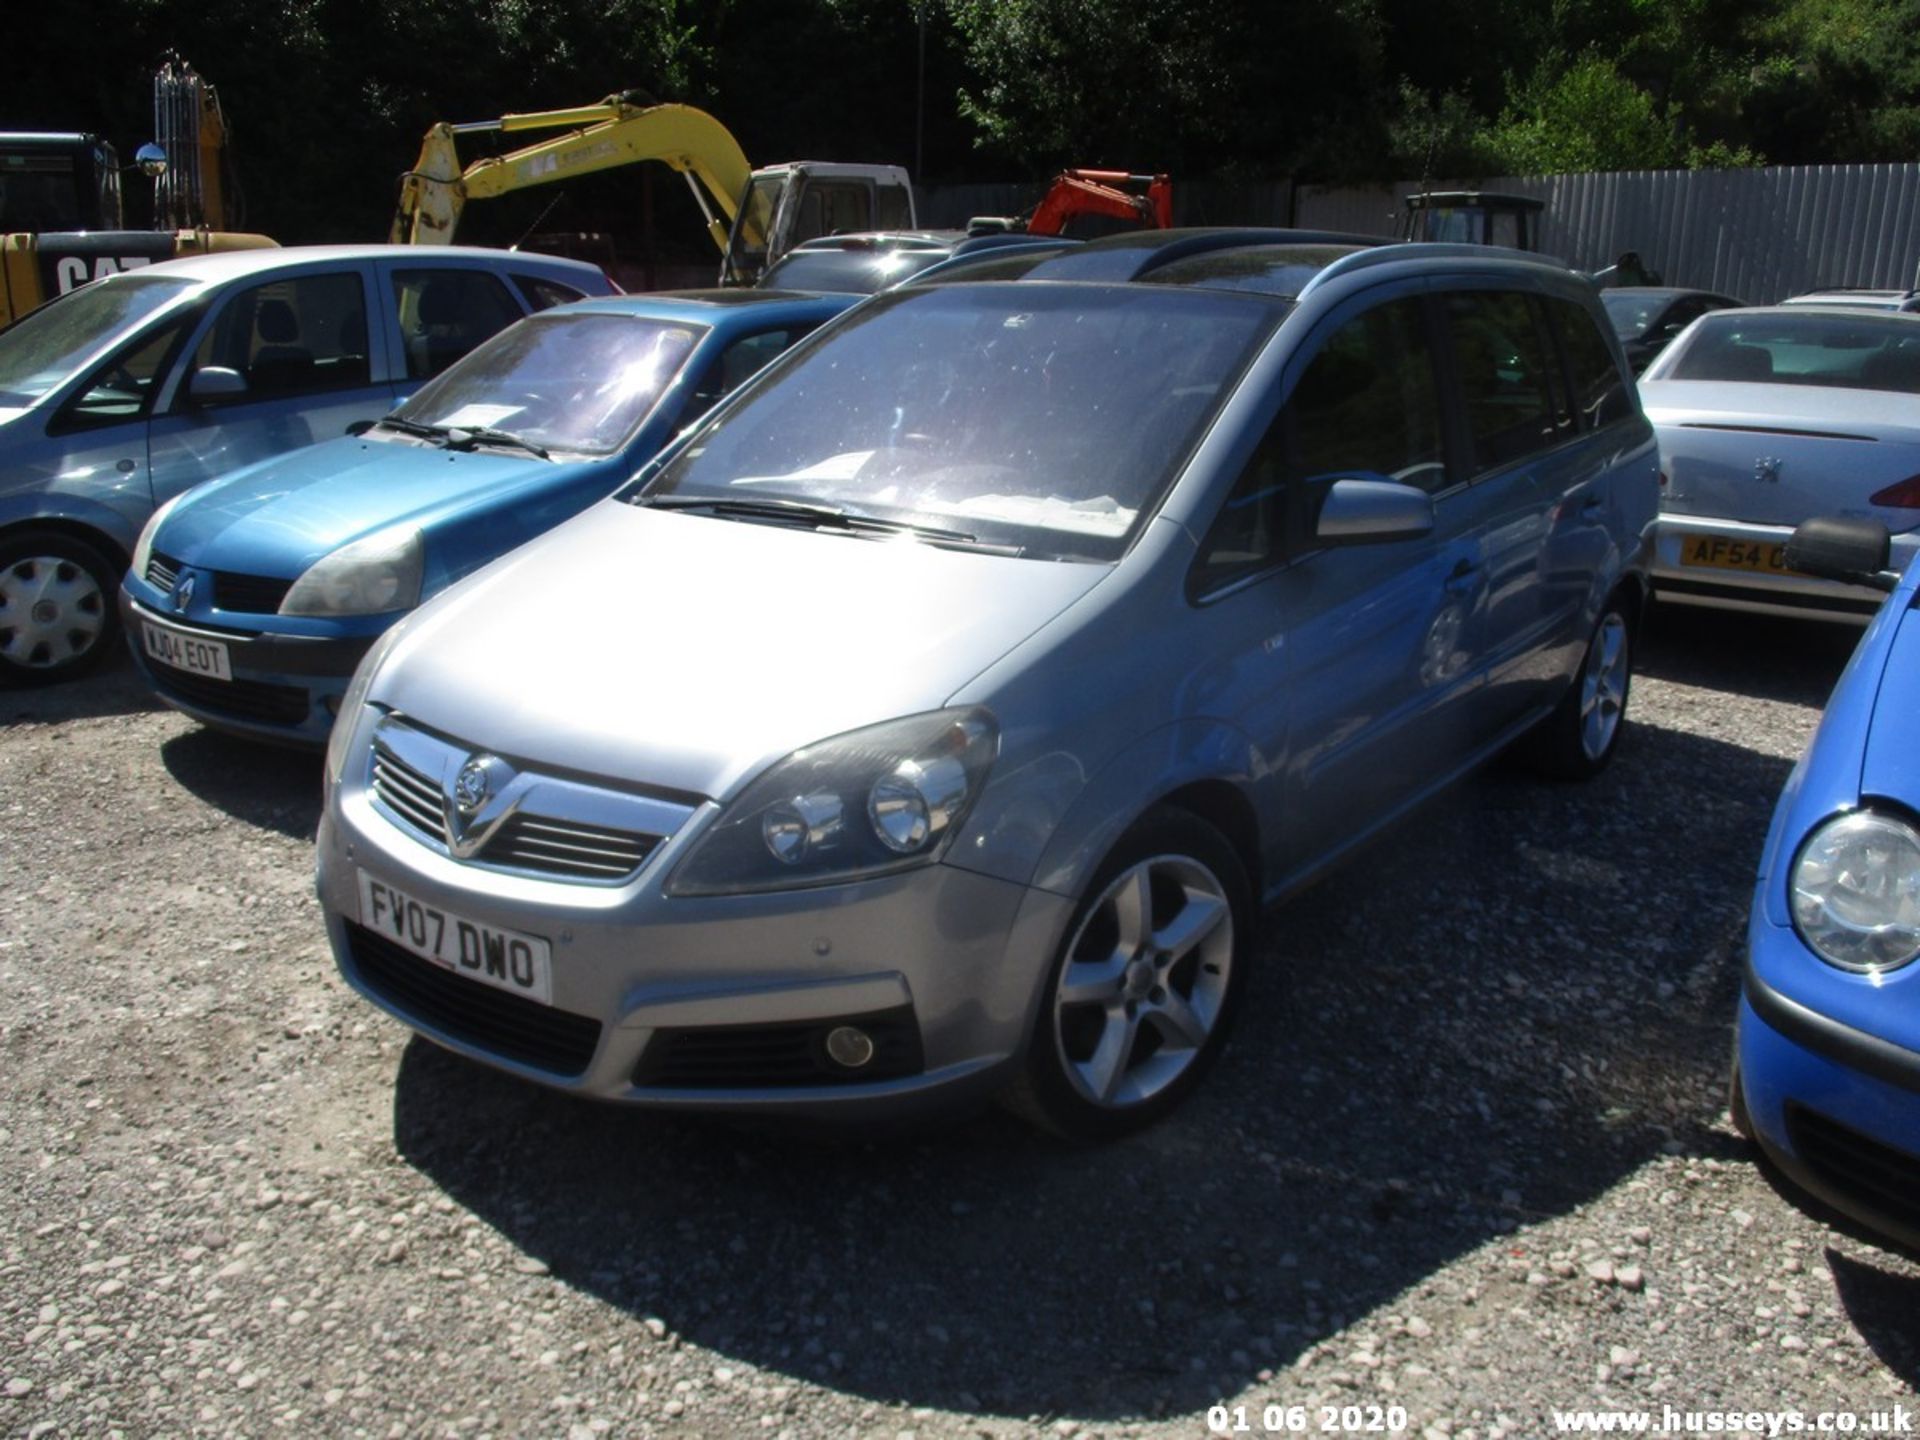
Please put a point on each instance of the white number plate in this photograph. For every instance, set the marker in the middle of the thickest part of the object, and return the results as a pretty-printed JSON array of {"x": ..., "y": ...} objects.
[
  {"x": 505, "y": 959},
  {"x": 187, "y": 652}
]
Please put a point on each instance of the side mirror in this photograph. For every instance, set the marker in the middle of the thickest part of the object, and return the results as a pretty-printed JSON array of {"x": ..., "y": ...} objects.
[
  {"x": 1370, "y": 512},
  {"x": 1835, "y": 548},
  {"x": 152, "y": 160},
  {"x": 213, "y": 384}
]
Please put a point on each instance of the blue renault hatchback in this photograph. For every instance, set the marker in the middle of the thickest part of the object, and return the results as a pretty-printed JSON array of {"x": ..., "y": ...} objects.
[
  {"x": 130, "y": 390},
  {"x": 1827, "y": 1061},
  {"x": 251, "y": 599}
]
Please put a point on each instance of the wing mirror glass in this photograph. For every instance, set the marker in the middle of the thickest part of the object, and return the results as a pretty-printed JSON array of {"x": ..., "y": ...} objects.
[{"x": 151, "y": 160}]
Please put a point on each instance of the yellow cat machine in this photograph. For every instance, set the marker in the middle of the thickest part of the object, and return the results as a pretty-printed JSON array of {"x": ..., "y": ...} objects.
[
  {"x": 754, "y": 216},
  {"x": 61, "y": 218}
]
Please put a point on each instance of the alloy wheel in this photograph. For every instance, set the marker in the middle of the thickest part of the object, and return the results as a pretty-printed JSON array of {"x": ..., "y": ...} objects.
[
  {"x": 1145, "y": 981},
  {"x": 1603, "y": 686}
]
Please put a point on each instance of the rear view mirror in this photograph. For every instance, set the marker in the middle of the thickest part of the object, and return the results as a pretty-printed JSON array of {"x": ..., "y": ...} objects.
[
  {"x": 1367, "y": 512},
  {"x": 214, "y": 383},
  {"x": 1831, "y": 547}
]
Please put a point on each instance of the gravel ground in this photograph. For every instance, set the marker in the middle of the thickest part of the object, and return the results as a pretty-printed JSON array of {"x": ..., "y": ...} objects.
[{"x": 1471, "y": 1158}]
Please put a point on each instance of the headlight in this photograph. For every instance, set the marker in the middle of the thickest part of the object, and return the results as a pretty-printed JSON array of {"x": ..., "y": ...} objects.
[
  {"x": 340, "y": 738},
  {"x": 865, "y": 803},
  {"x": 1856, "y": 892},
  {"x": 143, "y": 548},
  {"x": 368, "y": 577}
]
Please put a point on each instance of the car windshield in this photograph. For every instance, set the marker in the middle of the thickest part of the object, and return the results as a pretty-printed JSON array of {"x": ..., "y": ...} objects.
[
  {"x": 1631, "y": 314},
  {"x": 1856, "y": 352},
  {"x": 47, "y": 346},
  {"x": 1046, "y": 418},
  {"x": 847, "y": 271},
  {"x": 575, "y": 382}
]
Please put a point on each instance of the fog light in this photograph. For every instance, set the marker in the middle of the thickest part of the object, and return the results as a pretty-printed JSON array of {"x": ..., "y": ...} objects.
[{"x": 849, "y": 1046}]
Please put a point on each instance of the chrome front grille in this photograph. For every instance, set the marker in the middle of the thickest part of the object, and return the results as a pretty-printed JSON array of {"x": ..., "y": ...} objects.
[
  {"x": 411, "y": 796},
  {"x": 552, "y": 828},
  {"x": 162, "y": 571},
  {"x": 560, "y": 847}
]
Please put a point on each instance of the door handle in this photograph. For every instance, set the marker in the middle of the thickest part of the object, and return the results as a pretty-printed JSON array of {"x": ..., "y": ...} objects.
[{"x": 1464, "y": 579}]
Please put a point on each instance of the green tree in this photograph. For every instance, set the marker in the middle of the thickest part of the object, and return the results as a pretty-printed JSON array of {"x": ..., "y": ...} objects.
[{"x": 1588, "y": 116}]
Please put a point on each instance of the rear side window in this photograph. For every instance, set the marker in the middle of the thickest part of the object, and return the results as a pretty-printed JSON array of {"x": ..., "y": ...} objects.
[
  {"x": 1507, "y": 377},
  {"x": 1599, "y": 391},
  {"x": 292, "y": 337},
  {"x": 445, "y": 313},
  {"x": 543, "y": 294}
]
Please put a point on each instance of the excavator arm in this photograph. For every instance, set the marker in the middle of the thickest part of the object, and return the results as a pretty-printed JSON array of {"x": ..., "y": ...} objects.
[
  {"x": 1098, "y": 192},
  {"x": 614, "y": 132}
]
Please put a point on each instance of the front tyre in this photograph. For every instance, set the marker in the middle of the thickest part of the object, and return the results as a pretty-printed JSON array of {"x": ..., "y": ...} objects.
[
  {"x": 1139, "y": 1000},
  {"x": 57, "y": 613},
  {"x": 1577, "y": 740}
]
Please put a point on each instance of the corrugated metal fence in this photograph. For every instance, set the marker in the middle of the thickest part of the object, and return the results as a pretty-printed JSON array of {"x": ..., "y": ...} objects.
[{"x": 1757, "y": 234}]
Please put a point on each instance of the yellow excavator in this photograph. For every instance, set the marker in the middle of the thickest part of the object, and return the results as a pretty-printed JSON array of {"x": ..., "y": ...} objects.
[
  {"x": 753, "y": 216},
  {"x": 61, "y": 223}
]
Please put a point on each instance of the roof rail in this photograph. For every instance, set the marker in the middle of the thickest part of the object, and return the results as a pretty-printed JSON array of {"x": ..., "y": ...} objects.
[
  {"x": 1426, "y": 249},
  {"x": 1116, "y": 259}
]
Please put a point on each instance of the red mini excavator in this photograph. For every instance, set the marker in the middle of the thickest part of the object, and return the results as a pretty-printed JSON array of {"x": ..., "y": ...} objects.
[{"x": 1146, "y": 204}]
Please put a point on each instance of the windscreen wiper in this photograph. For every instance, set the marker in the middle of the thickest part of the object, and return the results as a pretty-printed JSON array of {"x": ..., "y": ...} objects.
[
  {"x": 465, "y": 437},
  {"x": 825, "y": 517},
  {"x": 414, "y": 427}
]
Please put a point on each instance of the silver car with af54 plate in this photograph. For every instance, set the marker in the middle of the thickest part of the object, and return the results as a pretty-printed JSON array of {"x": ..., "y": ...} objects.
[{"x": 966, "y": 682}]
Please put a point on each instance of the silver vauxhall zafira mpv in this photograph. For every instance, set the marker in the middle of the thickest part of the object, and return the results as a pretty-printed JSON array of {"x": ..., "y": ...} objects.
[{"x": 936, "y": 718}]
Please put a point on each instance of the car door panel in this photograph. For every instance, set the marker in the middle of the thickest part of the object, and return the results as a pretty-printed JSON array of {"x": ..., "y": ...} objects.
[
  {"x": 304, "y": 387},
  {"x": 1353, "y": 663}
]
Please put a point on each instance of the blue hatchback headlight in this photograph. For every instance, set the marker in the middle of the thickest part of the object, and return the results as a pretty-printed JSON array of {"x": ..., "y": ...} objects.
[
  {"x": 371, "y": 576},
  {"x": 1855, "y": 892}
]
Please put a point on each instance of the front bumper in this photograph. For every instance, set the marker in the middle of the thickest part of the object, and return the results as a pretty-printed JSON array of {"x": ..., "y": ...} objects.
[
  {"x": 285, "y": 688},
  {"x": 1836, "y": 1107},
  {"x": 715, "y": 1003},
  {"x": 1765, "y": 592}
]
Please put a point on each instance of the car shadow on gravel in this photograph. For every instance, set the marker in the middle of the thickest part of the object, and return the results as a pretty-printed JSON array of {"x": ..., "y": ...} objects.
[
  {"x": 1885, "y": 1308},
  {"x": 114, "y": 689},
  {"x": 1495, "y": 1015},
  {"x": 1763, "y": 656},
  {"x": 265, "y": 785}
]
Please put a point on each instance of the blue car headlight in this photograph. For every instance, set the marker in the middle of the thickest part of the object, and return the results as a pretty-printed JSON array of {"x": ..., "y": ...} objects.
[
  {"x": 143, "y": 549},
  {"x": 370, "y": 576},
  {"x": 1856, "y": 892},
  {"x": 866, "y": 803}
]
